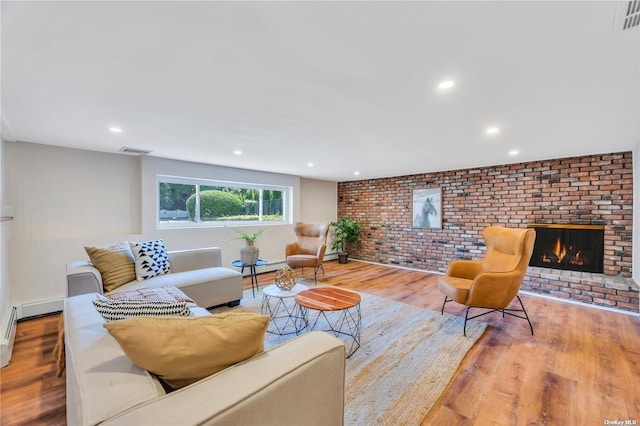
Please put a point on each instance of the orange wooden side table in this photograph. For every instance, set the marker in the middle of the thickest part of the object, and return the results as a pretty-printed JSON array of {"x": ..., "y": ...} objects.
[{"x": 335, "y": 310}]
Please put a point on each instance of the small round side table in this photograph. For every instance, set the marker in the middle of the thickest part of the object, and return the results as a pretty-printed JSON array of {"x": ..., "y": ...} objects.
[
  {"x": 336, "y": 310},
  {"x": 285, "y": 317},
  {"x": 252, "y": 272}
]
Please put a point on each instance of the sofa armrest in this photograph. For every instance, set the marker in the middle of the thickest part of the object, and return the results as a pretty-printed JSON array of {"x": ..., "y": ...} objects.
[
  {"x": 190, "y": 260},
  {"x": 83, "y": 278},
  {"x": 263, "y": 390}
]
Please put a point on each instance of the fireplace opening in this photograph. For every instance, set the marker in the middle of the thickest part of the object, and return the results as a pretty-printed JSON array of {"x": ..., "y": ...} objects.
[{"x": 570, "y": 247}]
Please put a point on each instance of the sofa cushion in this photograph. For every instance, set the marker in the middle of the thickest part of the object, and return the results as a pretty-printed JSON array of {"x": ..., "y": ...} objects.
[
  {"x": 180, "y": 279},
  {"x": 183, "y": 350},
  {"x": 114, "y": 310},
  {"x": 115, "y": 263},
  {"x": 151, "y": 259}
]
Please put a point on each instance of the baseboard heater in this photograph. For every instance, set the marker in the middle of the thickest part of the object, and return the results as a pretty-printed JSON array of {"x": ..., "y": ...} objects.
[{"x": 8, "y": 337}]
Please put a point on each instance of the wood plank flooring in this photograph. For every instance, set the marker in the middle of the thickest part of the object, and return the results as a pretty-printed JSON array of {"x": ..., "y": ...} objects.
[
  {"x": 30, "y": 392},
  {"x": 582, "y": 366}
]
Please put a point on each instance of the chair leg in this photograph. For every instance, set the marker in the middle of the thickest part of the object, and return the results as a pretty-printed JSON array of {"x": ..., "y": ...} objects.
[
  {"x": 504, "y": 311},
  {"x": 466, "y": 316},
  {"x": 524, "y": 311},
  {"x": 315, "y": 273},
  {"x": 446, "y": 299}
]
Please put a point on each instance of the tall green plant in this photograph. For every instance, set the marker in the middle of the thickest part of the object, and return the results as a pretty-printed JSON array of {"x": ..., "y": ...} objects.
[{"x": 345, "y": 234}]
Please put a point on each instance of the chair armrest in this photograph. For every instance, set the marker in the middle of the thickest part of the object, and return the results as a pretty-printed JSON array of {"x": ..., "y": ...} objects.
[
  {"x": 291, "y": 249},
  {"x": 321, "y": 250},
  {"x": 467, "y": 269},
  {"x": 494, "y": 290},
  {"x": 82, "y": 278}
]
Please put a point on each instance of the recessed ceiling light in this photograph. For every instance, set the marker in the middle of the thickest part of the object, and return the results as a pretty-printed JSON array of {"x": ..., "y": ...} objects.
[
  {"x": 447, "y": 84},
  {"x": 309, "y": 164},
  {"x": 356, "y": 173},
  {"x": 514, "y": 152},
  {"x": 115, "y": 130},
  {"x": 493, "y": 130},
  {"x": 237, "y": 152}
]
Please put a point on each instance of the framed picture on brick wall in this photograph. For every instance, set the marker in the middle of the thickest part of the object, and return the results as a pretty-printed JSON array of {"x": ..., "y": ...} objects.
[{"x": 427, "y": 208}]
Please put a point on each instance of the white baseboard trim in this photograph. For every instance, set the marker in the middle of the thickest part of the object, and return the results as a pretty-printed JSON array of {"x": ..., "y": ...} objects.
[
  {"x": 575, "y": 302},
  {"x": 42, "y": 307},
  {"x": 9, "y": 325}
]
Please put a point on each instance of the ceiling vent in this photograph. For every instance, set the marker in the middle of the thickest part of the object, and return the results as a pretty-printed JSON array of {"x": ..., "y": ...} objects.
[
  {"x": 137, "y": 151},
  {"x": 628, "y": 16}
]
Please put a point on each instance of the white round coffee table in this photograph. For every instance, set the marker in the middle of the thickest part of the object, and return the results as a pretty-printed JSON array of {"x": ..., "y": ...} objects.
[{"x": 284, "y": 312}]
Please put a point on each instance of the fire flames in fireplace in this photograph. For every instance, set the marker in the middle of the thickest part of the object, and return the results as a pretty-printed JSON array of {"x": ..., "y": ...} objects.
[
  {"x": 568, "y": 247},
  {"x": 560, "y": 251}
]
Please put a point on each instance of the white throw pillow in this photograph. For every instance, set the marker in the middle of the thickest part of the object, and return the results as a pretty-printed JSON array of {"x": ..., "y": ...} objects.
[{"x": 151, "y": 258}]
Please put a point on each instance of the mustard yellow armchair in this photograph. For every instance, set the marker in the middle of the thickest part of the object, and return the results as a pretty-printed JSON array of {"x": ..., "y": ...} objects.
[
  {"x": 309, "y": 248},
  {"x": 494, "y": 281}
]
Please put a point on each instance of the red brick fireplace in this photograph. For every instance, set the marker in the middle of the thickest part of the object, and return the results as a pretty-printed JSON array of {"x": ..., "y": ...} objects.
[{"x": 590, "y": 191}]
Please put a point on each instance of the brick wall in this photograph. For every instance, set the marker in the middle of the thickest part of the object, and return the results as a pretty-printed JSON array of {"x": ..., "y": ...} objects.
[{"x": 596, "y": 189}]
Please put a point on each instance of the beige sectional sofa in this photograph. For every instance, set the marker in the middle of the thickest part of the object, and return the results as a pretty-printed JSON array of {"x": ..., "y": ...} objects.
[
  {"x": 198, "y": 273},
  {"x": 298, "y": 382}
]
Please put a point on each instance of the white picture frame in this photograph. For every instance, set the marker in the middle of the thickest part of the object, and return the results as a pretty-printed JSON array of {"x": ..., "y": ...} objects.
[{"x": 427, "y": 208}]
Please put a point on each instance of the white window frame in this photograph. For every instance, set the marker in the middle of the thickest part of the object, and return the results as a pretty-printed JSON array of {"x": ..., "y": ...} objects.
[{"x": 287, "y": 192}]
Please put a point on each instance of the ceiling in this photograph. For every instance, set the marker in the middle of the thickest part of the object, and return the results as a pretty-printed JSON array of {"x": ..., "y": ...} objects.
[{"x": 347, "y": 86}]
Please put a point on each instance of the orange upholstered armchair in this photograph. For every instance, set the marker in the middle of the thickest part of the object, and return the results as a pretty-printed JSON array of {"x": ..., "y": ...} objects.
[
  {"x": 309, "y": 248},
  {"x": 494, "y": 281}
]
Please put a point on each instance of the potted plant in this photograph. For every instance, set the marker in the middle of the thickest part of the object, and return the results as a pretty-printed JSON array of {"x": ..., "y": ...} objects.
[
  {"x": 249, "y": 253},
  {"x": 345, "y": 236}
]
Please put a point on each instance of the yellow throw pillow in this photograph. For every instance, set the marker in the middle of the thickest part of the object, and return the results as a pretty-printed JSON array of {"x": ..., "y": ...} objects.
[
  {"x": 115, "y": 263},
  {"x": 183, "y": 350}
]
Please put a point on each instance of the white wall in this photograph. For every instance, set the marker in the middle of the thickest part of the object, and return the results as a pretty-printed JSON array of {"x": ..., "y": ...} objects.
[
  {"x": 4, "y": 287},
  {"x": 64, "y": 199},
  {"x": 320, "y": 199},
  {"x": 635, "y": 265}
]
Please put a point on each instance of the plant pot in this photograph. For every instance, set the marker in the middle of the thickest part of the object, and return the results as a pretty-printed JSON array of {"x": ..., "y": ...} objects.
[
  {"x": 249, "y": 253},
  {"x": 342, "y": 258}
]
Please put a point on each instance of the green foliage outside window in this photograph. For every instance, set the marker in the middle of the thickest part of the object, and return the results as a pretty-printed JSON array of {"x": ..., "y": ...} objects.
[
  {"x": 214, "y": 205},
  {"x": 177, "y": 203},
  {"x": 173, "y": 196}
]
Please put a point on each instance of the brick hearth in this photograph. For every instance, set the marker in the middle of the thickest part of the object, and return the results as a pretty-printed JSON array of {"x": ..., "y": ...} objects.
[{"x": 598, "y": 289}]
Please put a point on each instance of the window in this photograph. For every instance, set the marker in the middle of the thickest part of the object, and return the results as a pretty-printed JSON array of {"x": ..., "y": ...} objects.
[{"x": 185, "y": 201}]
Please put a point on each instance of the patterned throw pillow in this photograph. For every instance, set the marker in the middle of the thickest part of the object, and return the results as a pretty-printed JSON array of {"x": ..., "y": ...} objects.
[
  {"x": 115, "y": 263},
  {"x": 151, "y": 259},
  {"x": 114, "y": 310}
]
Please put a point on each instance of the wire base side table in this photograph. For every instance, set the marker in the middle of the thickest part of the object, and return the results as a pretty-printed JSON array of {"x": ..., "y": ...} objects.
[
  {"x": 333, "y": 310},
  {"x": 285, "y": 317}
]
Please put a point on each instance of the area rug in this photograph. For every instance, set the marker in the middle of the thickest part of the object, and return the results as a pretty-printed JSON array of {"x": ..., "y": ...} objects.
[{"x": 408, "y": 356}]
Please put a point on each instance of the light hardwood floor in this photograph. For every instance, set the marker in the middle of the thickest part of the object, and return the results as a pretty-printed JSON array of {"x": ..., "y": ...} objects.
[{"x": 582, "y": 366}]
